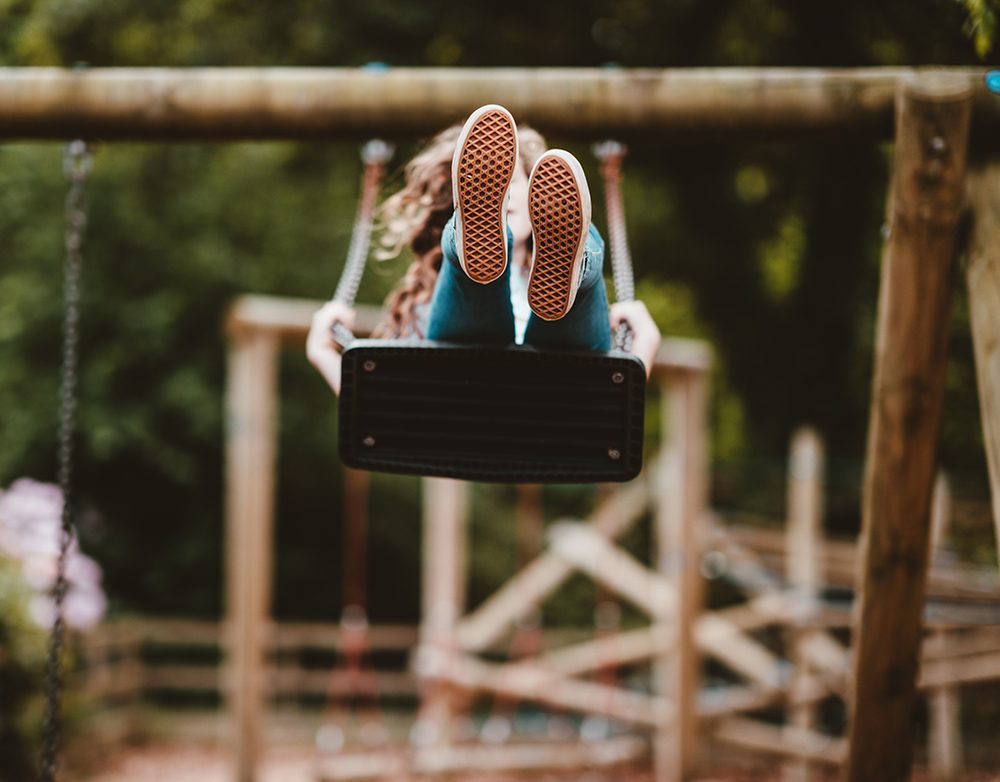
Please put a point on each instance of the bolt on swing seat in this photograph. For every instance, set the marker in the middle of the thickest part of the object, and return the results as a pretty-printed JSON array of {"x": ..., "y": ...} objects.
[{"x": 510, "y": 414}]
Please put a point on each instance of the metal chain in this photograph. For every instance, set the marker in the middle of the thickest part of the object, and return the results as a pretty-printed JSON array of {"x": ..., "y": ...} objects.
[
  {"x": 611, "y": 154},
  {"x": 77, "y": 165},
  {"x": 375, "y": 154}
]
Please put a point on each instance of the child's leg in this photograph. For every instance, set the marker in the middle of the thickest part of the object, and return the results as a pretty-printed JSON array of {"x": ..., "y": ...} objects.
[
  {"x": 466, "y": 311},
  {"x": 587, "y": 325}
]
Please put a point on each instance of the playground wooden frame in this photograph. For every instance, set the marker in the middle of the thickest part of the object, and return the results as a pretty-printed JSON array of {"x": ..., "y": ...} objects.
[{"x": 934, "y": 111}]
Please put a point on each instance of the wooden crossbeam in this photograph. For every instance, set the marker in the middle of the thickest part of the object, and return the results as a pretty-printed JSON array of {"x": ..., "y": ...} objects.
[
  {"x": 622, "y": 648},
  {"x": 619, "y": 572},
  {"x": 611, "y": 567},
  {"x": 529, "y": 682},
  {"x": 788, "y": 742},
  {"x": 326, "y": 103},
  {"x": 840, "y": 558}
]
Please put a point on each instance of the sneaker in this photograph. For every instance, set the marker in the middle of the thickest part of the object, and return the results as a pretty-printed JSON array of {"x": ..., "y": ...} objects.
[
  {"x": 559, "y": 210},
  {"x": 481, "y": 173}
]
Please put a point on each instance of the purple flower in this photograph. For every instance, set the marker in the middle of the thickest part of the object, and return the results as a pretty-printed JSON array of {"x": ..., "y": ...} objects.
[{"x": 30, "y": 528}]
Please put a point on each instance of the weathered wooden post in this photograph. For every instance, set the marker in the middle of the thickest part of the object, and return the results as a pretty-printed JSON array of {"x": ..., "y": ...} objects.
[
  {"x": 925, "y": 204},
  {"x": 251, "y": 388},
  {"x": 983, "y": 277},
  {"x": 803, "y": 568},
  {"x": 681, "y": 494},
  {"x": 442, "y": 604}
]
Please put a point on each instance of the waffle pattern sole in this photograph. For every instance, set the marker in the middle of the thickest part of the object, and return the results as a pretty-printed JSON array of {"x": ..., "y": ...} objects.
[
  {"x": 484, "y": 171},
  {"x": 556, "y": 210}
]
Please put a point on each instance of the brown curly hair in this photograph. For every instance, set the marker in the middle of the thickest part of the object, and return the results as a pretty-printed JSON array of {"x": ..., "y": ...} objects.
[{"x": 415, "y": 216}]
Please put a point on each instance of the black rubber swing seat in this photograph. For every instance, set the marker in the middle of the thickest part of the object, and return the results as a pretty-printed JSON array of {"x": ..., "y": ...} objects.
[{"x": 486, "y": 413}]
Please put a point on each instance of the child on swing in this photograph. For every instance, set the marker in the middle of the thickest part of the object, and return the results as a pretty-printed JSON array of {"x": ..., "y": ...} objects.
[{"x": 475, "y": 202}]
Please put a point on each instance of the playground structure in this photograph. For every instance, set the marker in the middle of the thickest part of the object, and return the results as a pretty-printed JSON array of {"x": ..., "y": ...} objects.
[
  {"x": 781, "y": 577},
  {"x": 878, "y": 675}
]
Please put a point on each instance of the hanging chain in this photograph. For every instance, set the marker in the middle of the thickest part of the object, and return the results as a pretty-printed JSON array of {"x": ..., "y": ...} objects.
[
  {"x": 77, "y": 165},
  {"x": 611, "y": 154},
  {"x": 375, "y": 154}
]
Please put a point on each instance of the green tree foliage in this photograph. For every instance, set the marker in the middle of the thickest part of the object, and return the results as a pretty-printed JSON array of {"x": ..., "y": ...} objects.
[
  {"x": 770, "y": 250},
  {"x": 982, "y": 23}
]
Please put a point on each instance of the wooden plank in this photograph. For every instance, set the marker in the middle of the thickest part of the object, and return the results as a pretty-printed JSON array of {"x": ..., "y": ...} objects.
[
  {"x": 619, "y": 572},
  {"x": 613, "y": 568},
  {"x": 328, "y": 103},
  {"x": 805, "y": 520},
  {"x": 532, "y": 757},
  {"x": 925, "y": 203},
  {"x": 944, "y": 740},
  {"x": 944, "y": 743},
  {"x": 298, "y": 636},
  {"x": 444, "y": 509},
  {"x": 681, "y": 505},
  {"x": 969, "y": 642},
  {"x": 736, "y": 650},
  {"x": 966, "y": 670},
  {"x": 433, "y": 761},
  {"x": 840, "y": 558},
  {"x": 982, "y": 274},
  {"x": 614, "y": 650},
  {"x": 282, "y": 637},
  {"x": 545, "y": 574},
  {"x": 525, "y": 681},
  {"x": 291, "y": 318},
  {"x": 250, "y": 456},
  {"x": 781, "y": 742},
  {"x": 804, "y": 574},
  {"x": 284, "y": 682}
]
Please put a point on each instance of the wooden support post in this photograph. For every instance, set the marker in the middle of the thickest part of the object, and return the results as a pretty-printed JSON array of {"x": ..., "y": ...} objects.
[
  {"x": 443, "y": 600},
  {"x": 803, "y": 570},
  {"x": 945, "y": 740},
  {"x": 925, "y": 202},
  {"x": 680, "y": 503},
  {"x": 983, "y": 278},
  {"x": 250, "y": 455}
]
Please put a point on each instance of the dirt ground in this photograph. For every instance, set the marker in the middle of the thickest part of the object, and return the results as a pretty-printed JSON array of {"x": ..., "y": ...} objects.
[
  {"x": 193, "y": 746},
  {"x": 187, "y": 762}
]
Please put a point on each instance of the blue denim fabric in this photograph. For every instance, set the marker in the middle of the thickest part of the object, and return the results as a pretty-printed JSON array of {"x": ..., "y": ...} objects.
[{"x": 465, "y": 311}]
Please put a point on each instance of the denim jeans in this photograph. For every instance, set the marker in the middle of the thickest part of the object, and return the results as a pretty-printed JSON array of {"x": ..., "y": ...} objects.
[{"x": 465, "y": 311}]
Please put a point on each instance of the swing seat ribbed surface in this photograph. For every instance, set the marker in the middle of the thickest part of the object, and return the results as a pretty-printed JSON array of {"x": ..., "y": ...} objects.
[{"x": 513, "y": 414}]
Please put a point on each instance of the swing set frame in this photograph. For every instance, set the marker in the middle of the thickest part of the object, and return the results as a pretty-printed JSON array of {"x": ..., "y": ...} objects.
[{"x": 927, "y": 112}]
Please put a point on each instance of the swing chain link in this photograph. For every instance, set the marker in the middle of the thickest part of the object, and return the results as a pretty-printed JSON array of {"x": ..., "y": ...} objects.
[
  {"x": 375, "y": 155},
  {"x": 77, "y": 163},
  {"x": 611, "y": 154}
]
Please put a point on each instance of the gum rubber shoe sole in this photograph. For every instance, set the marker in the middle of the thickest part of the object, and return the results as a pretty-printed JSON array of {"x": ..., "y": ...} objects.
[
  {"x": 482, "y": 170},
  {"x": 559, "y": 209}
]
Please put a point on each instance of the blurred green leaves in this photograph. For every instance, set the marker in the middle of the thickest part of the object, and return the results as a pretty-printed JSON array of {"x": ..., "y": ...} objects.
[
  {"x": 981, "y": 25},
  {"x": 770, "y": 251}
]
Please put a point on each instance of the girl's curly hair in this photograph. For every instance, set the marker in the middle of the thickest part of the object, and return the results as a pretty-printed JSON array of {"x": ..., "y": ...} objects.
[{"x": 415, "y": 216}]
